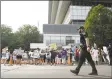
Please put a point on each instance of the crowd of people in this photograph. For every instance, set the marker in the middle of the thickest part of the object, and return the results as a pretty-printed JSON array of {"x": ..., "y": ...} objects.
[{"x": 54, "y": 57}]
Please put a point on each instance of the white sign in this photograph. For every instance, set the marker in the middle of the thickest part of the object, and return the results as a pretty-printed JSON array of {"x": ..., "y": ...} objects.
[
  {"x": 38, "y": 45},
  {"x": 66, "y": 47}
]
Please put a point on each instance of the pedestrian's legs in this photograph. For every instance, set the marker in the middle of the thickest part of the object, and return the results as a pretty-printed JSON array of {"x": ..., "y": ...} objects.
[
  {"x": 54, "y": 60},
  {"x": 64, "y": 60},
  {"x": 81, "y": 61},
  {"x": 59, "y": 60},
  {"x": 110, "y": 59},
  {"x": 5, "y": 61},
  {"x": 89, "y": 58},
  {"x": 51, "y": 60},
  {"x": 14, "y": 61}
]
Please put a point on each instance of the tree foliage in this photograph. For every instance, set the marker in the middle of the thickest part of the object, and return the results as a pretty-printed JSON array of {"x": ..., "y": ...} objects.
[
  {"x": 22, "y": 38},
  {"x": 6, "y": 35},
  {"x": 98, "y": 25},
  {"x": 27, "y": 34}
]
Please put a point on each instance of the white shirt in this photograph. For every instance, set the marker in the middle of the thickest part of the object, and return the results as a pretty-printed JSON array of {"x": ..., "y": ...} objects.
[
  {"x": 95, "y": 52},
  {"x": 36, "y": 54},
  {"x": 19, "y": 52},
  {"x": 25, "y": 55},
  {"x": 48, "y": 54},
  {"x": 7, "y": 55},
  {"x": 31, "y": 54},
  {"x": 15, "y": 52}
]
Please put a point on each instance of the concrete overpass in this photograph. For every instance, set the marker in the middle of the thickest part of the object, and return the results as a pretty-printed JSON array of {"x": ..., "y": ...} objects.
[{"x": 57, "y": 11}]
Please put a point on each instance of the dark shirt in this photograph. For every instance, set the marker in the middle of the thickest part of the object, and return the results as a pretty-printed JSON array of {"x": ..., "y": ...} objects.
[
  {"x": 64, "y": 52},
  {"x": 82, "y": 40},
  {"x": 53, "y": 54},
  {"x": 59, "y": 55}
]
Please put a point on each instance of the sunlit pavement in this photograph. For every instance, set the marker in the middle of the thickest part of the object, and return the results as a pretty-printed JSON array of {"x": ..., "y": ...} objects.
[{"x": 47, "y": 71}]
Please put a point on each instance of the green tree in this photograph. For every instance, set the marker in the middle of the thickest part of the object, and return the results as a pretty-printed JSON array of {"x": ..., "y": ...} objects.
[
  {"x": 27, "y": 34},
  {"x": 98, "y": 25},
  {"x": 6, "y": 35}
]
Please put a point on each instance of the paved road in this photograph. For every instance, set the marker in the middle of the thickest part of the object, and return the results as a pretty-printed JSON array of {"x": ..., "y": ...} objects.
[{"x": 46, "y": 71}]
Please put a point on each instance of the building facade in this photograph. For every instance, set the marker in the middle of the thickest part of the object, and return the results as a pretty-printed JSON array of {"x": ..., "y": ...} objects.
[
  {"x": 69, "y": 14},
  {"x": 61, "y": 34},
  {"x": 72, "y": 11}
]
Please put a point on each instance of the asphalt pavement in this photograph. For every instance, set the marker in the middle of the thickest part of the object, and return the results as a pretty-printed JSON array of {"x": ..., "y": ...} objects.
[{"x": 47, "y": 71}]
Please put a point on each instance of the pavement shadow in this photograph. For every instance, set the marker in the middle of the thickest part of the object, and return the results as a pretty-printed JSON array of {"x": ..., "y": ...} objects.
[{"x": 96, "y": 76}]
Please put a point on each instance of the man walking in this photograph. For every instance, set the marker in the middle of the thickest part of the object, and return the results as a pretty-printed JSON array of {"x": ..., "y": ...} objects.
[{"x": 84, "y": 54}]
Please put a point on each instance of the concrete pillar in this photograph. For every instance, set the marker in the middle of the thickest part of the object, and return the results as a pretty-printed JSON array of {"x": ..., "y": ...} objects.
[{"x": 62, "y": 10}]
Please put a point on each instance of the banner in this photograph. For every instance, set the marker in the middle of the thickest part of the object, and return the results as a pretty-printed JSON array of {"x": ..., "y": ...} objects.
[{"x": 53, "y": 46}]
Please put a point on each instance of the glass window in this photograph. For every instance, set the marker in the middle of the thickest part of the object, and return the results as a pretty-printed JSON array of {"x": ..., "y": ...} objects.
[
  {"x": 79, "y": 12},
  {"x": 79, "y": 7},
  {"x": 68, "y": 37},
  {"x": 73, "y": 37},
  {"x": 74, "y": 17},
  {"x": 74, "y": 12},
  {"x": 55, "y": 39},
  {"x": 80, "y": 17},
  {"x": 62, "y": 40},
  {"x": 83, "y": 12},
  {"x": 83, "y": 7},
  {"x": 47, "y": 37},
  {"x": 86, "y": 12},
  {"x": 74, "y": 7}
]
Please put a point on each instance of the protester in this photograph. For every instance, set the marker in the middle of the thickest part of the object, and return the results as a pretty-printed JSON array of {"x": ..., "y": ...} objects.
[
  {"x": 107, "y": 55},
  {"x": 11, "y": 58},
  {"x": 104, "y": 56},
  {"x": 64, "y": 55},
  {"x": 71, "y": 55},
  {"x": 100, "y": 56},
  {"x": 96, "y": 56},
  {"x": 25, "y": 57},
  {"x": 56, "y": 58},
  {"x": 19, "y": 56},
  {"x": 48, "y": 57},
  {"x": 31, "y": 56},
  {"x": 36, "y": 56},
  {"x": 53, "y": 55},
  {"x": 59, "y": 57},
  {"x": 76, "y": 54},
  {"x": 42, "y": 57},
  {"x": 14, "y": 57},
  {"x": 3, "y": 57},
  {"x": 110, "y": 54},
  {"x": 7, "y": 57}
]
